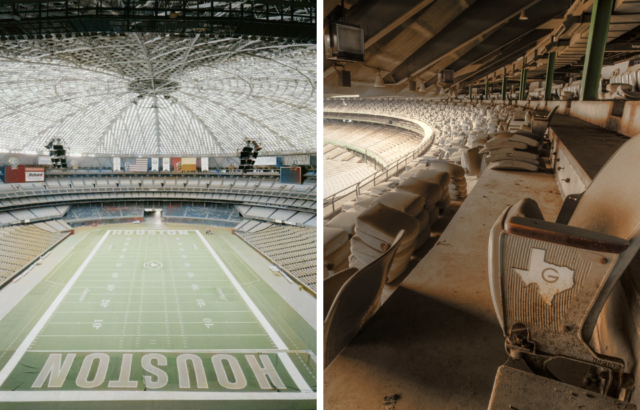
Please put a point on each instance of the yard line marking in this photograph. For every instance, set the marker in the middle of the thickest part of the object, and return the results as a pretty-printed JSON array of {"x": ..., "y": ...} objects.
[
  {"x": 286, "y": 360},
  {"x": 161, "y": 334},
  {"x": 70, "y": 395},
  {"x": 236, "y": 351},
  {"x": 20, "y": 351}
]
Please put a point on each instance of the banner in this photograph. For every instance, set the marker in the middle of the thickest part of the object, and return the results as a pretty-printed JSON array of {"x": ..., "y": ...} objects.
[
  {"x": 204, "y": 164},
  {"x": 33, "y": 174},
  {"x": 154, "y": 164},
  {"x": 266, "y": 161},
  {"x": 189, "y": 164},
  {"x": 22, "y": 174},
  {"x": 166, "y": 164},
  {"x": 175, "y": 164},
  {"x": 116, "y": 164}
]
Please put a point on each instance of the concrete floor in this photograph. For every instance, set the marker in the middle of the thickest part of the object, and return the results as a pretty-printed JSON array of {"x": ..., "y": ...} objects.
[{"x": 436, "y": 342}]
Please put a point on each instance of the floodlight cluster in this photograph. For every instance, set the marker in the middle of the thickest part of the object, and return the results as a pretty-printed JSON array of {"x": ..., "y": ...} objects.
[{"x": 157, "y": 94}]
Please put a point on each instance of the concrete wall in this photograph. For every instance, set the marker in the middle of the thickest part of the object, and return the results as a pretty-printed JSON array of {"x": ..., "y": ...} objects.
[{"x": 630, "y": 121}]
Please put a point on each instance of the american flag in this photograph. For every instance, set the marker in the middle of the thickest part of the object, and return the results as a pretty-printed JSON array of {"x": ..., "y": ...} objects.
[{"x": 139, "y": 166}]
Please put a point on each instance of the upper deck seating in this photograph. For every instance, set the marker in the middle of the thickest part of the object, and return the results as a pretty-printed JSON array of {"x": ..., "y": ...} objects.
[
  {"x": 59, "y": 190},
  {"x": 387, "y": 142},
  {"x": 623, "y": 86}
]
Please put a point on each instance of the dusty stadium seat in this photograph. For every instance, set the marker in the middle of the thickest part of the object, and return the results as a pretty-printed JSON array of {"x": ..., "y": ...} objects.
[
  {"x": 351, "y": 297},
  {"x": 378, "y": 226},
  {"x": 345, "y": 221},
  {"x": 573, "y": 265},
  {"x": 403, "y": 201},
  {"x": 336, "y": 246}
]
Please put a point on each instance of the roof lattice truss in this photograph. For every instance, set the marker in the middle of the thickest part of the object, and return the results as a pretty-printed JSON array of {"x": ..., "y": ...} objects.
[{"x": 150, "y": 94}]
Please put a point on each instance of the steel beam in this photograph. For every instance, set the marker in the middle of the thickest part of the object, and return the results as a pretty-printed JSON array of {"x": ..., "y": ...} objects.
[
  {"x": 549, "y": 79},
  {"x": 470, "y": 92},
  {"x": 523, "y": 84},
  {"x": 486, "y": 89},
  {"x": 503, "y": 91},
  {"x": 482, "y": 18},
  {"x": 596, "y": 44}
]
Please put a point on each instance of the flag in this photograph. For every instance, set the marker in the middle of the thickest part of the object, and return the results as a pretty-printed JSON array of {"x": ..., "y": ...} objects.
[
  {"x": 139, "y": 166},
  {"x": 154, "y": 164},
  {"x": 204, "y": 164},
  {"x": 116, "y": 164},
  {"x": 166, "y": 164}
]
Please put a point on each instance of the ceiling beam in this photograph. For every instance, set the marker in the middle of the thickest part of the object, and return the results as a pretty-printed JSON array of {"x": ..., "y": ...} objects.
[{"x": 482, "y": 17}]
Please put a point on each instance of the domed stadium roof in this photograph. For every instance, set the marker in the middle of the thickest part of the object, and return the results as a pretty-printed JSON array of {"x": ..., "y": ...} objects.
[{"x": 157, "y": 94}]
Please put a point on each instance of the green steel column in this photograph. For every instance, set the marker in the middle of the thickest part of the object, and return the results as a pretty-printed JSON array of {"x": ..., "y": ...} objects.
[
  {"x": 549, "y": 79},
  {"x": 598, "y": 31},
  {"x": 470, "y": 93},
  {"x": 523, "y": 84},
  {"x": 504, "y": 88},
  {"x": 486, "y": 90}
]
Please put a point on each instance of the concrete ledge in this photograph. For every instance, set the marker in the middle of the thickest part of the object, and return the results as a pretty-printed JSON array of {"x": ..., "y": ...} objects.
[
  {"x": 622, "y": 117},
  {"x": 589, "y": 145},
  {"x": 436, "y": 342}
]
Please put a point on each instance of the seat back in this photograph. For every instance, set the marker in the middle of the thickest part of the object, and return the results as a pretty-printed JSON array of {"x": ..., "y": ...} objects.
[
  {"x": 355, "y": 303},
  {"x": 550, "y": 115},
  {"x": 610, "y": 204}
]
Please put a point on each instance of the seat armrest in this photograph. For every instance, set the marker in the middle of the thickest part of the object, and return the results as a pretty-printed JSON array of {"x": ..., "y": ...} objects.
[
  {"x": 565, "y": 235},
  {"x": 568, "y": 207}
]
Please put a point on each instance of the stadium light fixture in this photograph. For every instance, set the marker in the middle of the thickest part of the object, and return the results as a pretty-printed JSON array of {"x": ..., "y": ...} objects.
[
  {"x": 379, "y": 83},
  {"x": 523, "y": 15},
  {"x": 420, "y": 85}
]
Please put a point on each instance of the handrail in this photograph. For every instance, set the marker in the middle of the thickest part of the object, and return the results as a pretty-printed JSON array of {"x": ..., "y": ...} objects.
[{"x": 383, "y": 174}]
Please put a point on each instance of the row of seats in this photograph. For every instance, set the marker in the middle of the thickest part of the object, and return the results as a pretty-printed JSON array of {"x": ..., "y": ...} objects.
[
  {"x": 160, "y": 182},
  {"x": 21, "y": 245},
  {"x": 100, "y": 211},
  {"x": 387, "y": 142},
  {"x": 291, "y": 248},
  {"x": 372, "y": 240},
  {"x": 343, "y": 169},
  {"x": 624, "y": 86},
  {"x": 214, "y": 212},
  {"x": 300, "y": 200}
]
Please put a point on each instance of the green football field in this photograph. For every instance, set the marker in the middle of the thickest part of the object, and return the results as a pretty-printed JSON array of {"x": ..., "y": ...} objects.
[{"x": 156, "y": 319}]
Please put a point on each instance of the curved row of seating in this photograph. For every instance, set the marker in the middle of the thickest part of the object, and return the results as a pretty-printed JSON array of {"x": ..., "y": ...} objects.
[
  {"x": 388, "y": 142},
  {"x": 273, "y": 198},
  {"x": 397, "y": 215},
  {"x": 342, "y": 169},
  {"x": 55, "y": 182},
  {"x": 22, "y": 245},
  {"x": 281, "y": 216},
  {"x": 293, "y": 249},
  {"x": 90, "y": 212}
]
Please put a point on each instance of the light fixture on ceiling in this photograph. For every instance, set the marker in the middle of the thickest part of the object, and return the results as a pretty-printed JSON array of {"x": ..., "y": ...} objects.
[
  {"x": 379, "y": 81},
  {"x": 420, "y": 84},
  {"x": 523, "y": 15},
  {"x": 173, "y": 14}
]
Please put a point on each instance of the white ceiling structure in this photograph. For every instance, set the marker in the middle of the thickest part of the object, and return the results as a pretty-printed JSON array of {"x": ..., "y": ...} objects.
[{"x": 157, "y": 94}]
